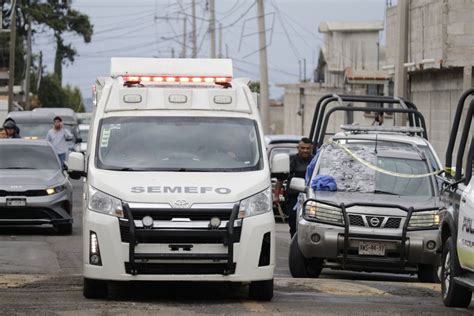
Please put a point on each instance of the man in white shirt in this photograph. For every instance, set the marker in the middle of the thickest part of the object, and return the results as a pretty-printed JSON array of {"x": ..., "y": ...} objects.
[{"x": 58, "y": 136}]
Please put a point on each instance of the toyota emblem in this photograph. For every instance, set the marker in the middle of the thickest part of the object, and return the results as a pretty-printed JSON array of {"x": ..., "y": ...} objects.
[
  {"x": 374, "y": 222},
  {"x": 181, "y": 204}
]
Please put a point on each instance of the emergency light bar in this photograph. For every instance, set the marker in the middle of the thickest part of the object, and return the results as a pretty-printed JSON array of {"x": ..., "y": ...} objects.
[
  {"x": 172, "y": 69},
  {"x": 396, "y": 129},
  {"x": 181, "y": 79}
]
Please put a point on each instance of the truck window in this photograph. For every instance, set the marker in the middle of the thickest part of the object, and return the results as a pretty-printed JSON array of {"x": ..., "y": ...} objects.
[{"x": 178, "y": 144}]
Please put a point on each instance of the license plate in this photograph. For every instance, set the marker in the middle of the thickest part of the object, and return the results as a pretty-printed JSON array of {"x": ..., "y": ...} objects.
[
  {"x": 16, "y": 202},
  {"x": 371, "y": 248}
]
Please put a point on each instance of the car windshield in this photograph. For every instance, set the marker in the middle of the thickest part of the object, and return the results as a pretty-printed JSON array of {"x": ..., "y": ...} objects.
[
  {"x": 39, "y": 130},
  {"x": 393, "y": 144},
  {"x": 28, "y": 157},
  {"x": 178, "y": 144},
  {"x": 352, "y": 176}
]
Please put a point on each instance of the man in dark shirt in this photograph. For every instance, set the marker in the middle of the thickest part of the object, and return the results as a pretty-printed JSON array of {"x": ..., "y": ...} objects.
[{"x": 298, "y": 164}]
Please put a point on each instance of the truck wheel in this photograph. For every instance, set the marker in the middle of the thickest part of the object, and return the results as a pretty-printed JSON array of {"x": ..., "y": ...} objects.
[
  {"x": 261, "y": 290},
  {"x": 428, "y": 273},
  {"x": 64, "y": 229},
  {"x": 454, "y": 295},
  {"x": 301, "y": 267},
  {"x": 94, "y": 288}
]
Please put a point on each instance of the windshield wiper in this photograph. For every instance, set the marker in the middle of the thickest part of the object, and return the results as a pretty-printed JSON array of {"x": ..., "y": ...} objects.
[
  {"x": 384, "y": 192},
  {"x": 16, "y": 168}
]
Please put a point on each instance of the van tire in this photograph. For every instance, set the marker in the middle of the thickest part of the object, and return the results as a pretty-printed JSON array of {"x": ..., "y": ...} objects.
[
  {"x": 428, "y": 273},
  {"x": 261, "y": 290},
  {"x": 454, "y": 295},
  {"x": 95, "y": 289},
  {"x": 300, "y": 266},
  {"x": 64, "y": 229}
]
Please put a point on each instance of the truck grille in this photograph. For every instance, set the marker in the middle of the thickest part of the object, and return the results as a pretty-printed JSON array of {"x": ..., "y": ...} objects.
[{"x": 365, "y": 221}]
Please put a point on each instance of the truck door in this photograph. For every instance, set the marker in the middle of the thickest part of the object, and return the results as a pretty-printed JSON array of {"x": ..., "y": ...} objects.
[{"x": 465, "y": 240}]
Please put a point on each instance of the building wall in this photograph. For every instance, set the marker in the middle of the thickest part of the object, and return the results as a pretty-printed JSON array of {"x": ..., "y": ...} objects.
[
  {"x": 276, "y": 119},
  {"x": 436, "y": 94}
]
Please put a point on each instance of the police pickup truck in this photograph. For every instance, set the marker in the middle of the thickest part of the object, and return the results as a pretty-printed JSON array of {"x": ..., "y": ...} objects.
[{"x": 457, "y": 227}]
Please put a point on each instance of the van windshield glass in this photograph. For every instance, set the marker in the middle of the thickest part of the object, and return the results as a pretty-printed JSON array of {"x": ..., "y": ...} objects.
[
  {"x": 352, "y": 176},
  {"x": 178, "y": 144}
]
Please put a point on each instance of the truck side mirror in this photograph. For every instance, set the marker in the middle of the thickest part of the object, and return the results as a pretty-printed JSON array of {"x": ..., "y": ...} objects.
[
  {"x": 298, "y": 184},
  {"x": 76, "y": 165},
  {"x": 280, "y": 163}
]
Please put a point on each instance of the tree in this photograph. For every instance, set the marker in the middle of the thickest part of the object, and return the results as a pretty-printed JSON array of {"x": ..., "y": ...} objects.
[
  {"x": 61, "y": 18},
  {"x": 52, "y": 95},
  {"x": 255, "y": 86}
]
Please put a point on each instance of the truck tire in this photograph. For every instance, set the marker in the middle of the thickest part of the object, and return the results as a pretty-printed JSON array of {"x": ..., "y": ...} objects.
[
  {"x": 428, "y": 273},
  {"x": 94, "y": 288},
  {"x": 300, "y": 266},
  {"x": 454, "y": 295},
  {"x": 64, "y": 229},
  {"x": 261, "y": 290}
]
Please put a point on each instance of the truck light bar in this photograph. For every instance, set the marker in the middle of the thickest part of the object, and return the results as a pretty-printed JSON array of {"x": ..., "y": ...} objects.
[{"x": 181, "y": 79}]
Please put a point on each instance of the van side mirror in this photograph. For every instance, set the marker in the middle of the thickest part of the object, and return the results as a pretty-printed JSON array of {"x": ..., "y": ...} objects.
[
  {"x": 76, "y": 165},
  {"x": 280, "y": 163},
  {"x": 298, "y": 184}
]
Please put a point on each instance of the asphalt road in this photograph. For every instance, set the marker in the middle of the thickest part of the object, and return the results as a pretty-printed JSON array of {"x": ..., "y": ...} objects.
[{"x": 40, "y": 274}]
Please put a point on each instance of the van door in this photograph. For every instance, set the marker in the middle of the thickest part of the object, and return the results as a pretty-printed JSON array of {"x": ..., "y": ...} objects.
[{"x": 465, "y": 240}]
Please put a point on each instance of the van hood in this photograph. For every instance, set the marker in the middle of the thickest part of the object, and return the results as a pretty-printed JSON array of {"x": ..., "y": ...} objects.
[
  {"x": 169, "y": 187},
  {"x": 22, "y": 180}
]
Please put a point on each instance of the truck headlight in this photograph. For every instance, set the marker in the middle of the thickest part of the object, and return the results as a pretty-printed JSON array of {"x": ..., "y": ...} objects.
[
  {"x": 314, "y": 210},
  {"x": 257, "y": 204},
  {"x": 425, "y": 219},
  {"x": 104, "y": 203}
]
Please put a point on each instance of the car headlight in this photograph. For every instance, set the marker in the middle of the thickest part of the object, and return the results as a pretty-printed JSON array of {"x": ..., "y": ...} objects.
[
  {"x": 104, "y": 203},
  {"x": 56, "y": 189},
  {"x": 314, "y": 210},
  {"x": 257, "y": 204},
  {"x": 425, "y": 219}
]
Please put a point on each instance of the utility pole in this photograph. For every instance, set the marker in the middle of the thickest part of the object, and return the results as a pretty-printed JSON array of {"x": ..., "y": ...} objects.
[
  {"x": 220, "y": 41},
  {"x": 11, "y": 66},
  {"x": 28, "y": 66},
  {"x": 264, "y": 106},
  {"x": 184, "y": 38},
  {"x": 172, "y": 52},
  {"x": 212, "y": 27},
  {"x": 194, "y": 30},
  {"x": 401, "y": 84},
  {"x": 40, "y": 71}
]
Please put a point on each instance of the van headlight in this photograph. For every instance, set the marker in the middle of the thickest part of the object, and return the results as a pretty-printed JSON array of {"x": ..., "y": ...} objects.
[
  {"x": 257, "y": 204},
  {"x": 425, "y": 219},
  {"x": 314, "y": 210},
  {"x": 103, "y": 203}
]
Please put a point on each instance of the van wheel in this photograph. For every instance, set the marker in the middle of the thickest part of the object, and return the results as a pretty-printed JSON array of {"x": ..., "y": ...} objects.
[
  {"x": 454, "y": 295},
  {"x": 261, "y": 290},
  {"x": 94, "y": 288},
  {"x": 301, "y": 267},
  {"x": 428, "y": 273},
  {"x": 64, "y": 229}
]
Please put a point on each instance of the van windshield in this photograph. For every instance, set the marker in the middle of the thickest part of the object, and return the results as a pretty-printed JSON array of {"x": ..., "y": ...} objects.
[{"x": 178, "y": 144}]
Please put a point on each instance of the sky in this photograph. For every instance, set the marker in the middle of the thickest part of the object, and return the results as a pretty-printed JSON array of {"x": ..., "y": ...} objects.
[{"x": 153, "y": 28}]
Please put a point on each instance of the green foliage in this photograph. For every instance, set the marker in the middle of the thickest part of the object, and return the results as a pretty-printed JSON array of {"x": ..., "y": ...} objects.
[
  {"x": 255, "y": 86},
  {"x": 51, "y": 94}
]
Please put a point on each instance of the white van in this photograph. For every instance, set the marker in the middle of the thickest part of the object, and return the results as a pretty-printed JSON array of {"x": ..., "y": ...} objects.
[{"x": 178, "y": 183}]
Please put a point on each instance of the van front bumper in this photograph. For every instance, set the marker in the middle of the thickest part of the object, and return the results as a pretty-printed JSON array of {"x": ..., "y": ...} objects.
[{"x": 157, "y": 257}]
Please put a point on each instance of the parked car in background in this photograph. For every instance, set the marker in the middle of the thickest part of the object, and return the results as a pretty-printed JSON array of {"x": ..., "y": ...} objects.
[
  {"x": 33, "y": 125},
  {"x": 34, "y": 189},
  {"x": 83, "y": 135},
  {"x": 280, "y": 144},
  {"x": 84, "y": 117}
]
